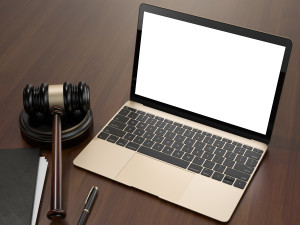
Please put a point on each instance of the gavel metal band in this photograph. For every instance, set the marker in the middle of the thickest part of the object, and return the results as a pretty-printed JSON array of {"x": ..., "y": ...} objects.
[{"x": 56, "y": 96}]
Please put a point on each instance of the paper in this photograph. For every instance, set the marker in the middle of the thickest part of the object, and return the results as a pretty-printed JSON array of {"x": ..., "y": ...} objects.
[{"x": 43, "y": 164}]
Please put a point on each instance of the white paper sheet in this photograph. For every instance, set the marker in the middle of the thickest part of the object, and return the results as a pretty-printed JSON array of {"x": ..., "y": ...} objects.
[{"x": 43, "y": 164}]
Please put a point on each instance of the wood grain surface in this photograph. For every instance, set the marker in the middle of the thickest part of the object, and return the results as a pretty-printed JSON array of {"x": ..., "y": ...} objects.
[{"x": 93, "y": 41}]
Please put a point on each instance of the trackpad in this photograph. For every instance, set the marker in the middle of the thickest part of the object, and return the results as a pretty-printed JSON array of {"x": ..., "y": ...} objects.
[{"x": 158, "y": 178}]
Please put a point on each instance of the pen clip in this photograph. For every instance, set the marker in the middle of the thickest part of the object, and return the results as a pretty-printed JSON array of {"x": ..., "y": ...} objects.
[{"x": 89, "y": 195}]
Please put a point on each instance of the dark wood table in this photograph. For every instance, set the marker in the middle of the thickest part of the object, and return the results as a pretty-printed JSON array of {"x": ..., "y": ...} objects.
[{"x": 93, "y": 40}]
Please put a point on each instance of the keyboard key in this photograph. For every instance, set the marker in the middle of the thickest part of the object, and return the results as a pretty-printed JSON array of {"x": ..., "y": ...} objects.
[
  {"x": 151, "y": 129},
  {"x": 189, "y": 133},
  {"x": 159, "y": 118},
  {"x": 230, "y": 155},
  {"x": 114, "y": 131},
  {"x": 168, "y": 150},
  {"x": 253, "y": 155},
  {"x": 239, "y": 184},
  {"x": 124, "y": 112},
  {"x": 164, "y": 157},
  {"x": 219, "y": 144},
  {"x": 129, "y": 108},
  {"x": 121, "y": 142},
  {"x": 228, "y": 163},
  {"x": 178, "y": 154},
  {"x": 237, "y": 174},
  {"x": 226, "y": 140},
  {"x": 189, "y": 141},
  {"x": 167, "y": 142},
  {"x": 197, "y": 130},
  {"x": 258, "y": 151},
  {"x": 188, "y": 157},
  {"x": 209, "y": 164},
  {"x": 160, "y": 132},
  {"x": 198, "y": 161},
  {"x": 187, "y": 127},
  {"x": 207, "y": 172},
  {"x": 187, "y": 149},
  {"x": 148, "y": 143},
  {"x": 207, "y": 134},
  {"x": 217, "y": 176},
  {"x": 132, "y": 122},
  {"x": 228, "y": 180},
  {"x": 220, "y": 152},
  {"x": 150, "y": 115},
  {"x": 117, "y": 124},
  {"x": 139, "y": 140},
  {"x": 103, "y": 135},
  {"x": 240, "y": 159},
  {"x": 239, "y": 150},
  {"x": 139, "y": 132},
  {"x": 177, "y": 145},
  {"x": 243, "y": 168},
  {"x": 168, "y": 121},
  {"x": 218, "y": 159},
  {"x": 129, "y": 129},
  {"x": 179, "y": 130},
  {"x": 217, "y": 137},
  {"x": 199, "y": 137},
  {"x": 209, "y": 140},
  {"x": 132, "y": 146},
  {"x": 207, "y": 155},
  {"x": 178, "y": 124},
  {"x": 170, "y": 135},
  {"x": 199, "y": 145},
  {"x": 237, "y": 144},
  {"x": 142, "y": 118},
  {"x": 141, "y": 112},
  {"x": 133, "y": 115},
  {"x": 247, "y": 147},
  {"x": 229, "y": 147},
  {"x": 148, "y": 135},
  {"x": 129, "y": 136},
  {"x": 112, "y": 138},
  {"x": 251, "y": 162},
  {"x": 121, "y": 119},
  {"x": 141, "y": 125},
  {"x": 157, "y": 138},
  {"x": 160, "y": 124},
  {"x": 170, "y": 127},
  {"x": 179, "y": 138},
  {"x": 209, "y": 148},
  {"x": 219, "y": 168},
  {"x": 197, "y": 152},
  {"x": 158, "y": 147},
  {"x": 195, "y": 168}
]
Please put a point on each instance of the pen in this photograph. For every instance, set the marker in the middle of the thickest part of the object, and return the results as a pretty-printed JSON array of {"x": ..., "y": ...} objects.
[{"x": 88, "y": 204}]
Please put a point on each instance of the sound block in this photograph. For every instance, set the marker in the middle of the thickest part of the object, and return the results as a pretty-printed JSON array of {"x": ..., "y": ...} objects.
[{"x": 37, "y": 130}]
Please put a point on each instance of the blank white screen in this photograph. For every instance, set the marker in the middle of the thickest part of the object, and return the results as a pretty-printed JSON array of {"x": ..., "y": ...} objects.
[{"x": 213, "y": 73}]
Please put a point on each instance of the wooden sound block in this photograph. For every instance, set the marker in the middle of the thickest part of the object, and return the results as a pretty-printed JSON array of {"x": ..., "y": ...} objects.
[{"x": 37, "y": 130}]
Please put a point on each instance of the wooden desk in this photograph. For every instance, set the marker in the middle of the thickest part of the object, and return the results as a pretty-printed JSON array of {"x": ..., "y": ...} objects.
[{"x": 93, "y": 40}]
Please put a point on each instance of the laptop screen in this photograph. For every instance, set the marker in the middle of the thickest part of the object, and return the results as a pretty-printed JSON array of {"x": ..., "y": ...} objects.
[{"x": 217, "y": 74}]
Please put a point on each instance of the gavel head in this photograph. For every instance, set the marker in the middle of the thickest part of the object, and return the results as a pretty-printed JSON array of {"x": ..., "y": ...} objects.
[{"x": 65, "y": 96}]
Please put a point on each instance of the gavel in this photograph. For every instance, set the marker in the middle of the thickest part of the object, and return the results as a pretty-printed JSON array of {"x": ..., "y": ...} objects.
[{"x": 56, "y": 101}]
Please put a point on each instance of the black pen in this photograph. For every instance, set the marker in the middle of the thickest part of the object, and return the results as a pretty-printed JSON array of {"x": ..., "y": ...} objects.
[{"x": 88, "y": 204}]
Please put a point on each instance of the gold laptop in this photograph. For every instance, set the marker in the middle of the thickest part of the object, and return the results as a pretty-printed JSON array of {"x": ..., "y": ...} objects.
[{"x": 203, "y": 101}]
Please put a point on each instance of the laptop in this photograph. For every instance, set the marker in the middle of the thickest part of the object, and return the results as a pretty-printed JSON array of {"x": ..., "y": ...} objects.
[{"x": 202, "y": 107}]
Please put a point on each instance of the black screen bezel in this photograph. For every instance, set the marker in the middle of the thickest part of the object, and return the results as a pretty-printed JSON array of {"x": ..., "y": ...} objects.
[{"x": 222, "y": 27}]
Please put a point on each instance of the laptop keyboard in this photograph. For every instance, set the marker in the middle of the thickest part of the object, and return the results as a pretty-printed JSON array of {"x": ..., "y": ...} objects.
[{"x": 198, "y": 151}]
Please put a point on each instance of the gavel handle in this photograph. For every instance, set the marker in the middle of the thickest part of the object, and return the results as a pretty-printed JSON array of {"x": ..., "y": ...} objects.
[{"x": 56, "y": 212}]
